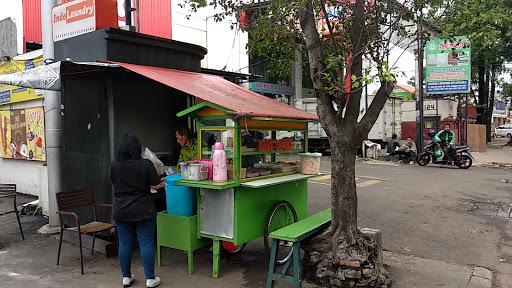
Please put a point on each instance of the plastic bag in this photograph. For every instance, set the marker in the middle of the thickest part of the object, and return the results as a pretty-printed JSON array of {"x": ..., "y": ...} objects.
[
  {"x": 159, "y": 166},
  {"x": 168, "y": 170}
]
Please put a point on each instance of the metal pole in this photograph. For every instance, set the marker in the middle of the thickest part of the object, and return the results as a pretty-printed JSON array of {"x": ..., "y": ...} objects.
[
  {"x": 459, "y": 117},
  {"x": 466, "y": 124},
  {"x": 138, "y": 15},
  {"x": 419, "y": 101},
  {"x": 53, "y": 118},
  {"x": 128, "y": 12},
  {"x": 111, "y": 118},
  {"x": 297, "y": 77},
  {"x": 437, "y": 113}
]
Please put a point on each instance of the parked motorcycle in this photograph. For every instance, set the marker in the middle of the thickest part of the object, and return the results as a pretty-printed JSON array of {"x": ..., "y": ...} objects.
[{"x": 433, "y": 153}]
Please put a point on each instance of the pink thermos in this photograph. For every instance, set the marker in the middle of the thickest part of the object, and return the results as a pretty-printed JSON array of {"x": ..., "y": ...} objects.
[{"x": 220, "y": 169}]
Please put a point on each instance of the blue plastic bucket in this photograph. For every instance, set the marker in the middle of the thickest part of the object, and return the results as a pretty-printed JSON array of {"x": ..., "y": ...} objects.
[{"x": 181, "y": 200}]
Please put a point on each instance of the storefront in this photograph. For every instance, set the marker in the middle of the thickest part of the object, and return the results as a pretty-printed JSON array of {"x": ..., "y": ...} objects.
[
  {"x": 22, "y": 131},
  {"x": 103, "y": 100},
  {"x": 435, "y": 111},
  {"x": 499, "y": 113},
  {"x": 100, "y": 102}
]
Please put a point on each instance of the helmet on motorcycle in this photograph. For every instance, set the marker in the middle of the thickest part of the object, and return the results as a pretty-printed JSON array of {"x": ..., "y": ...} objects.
[
  {"x": 432, "y": 133},
  {"x": 438, "y": 153}
]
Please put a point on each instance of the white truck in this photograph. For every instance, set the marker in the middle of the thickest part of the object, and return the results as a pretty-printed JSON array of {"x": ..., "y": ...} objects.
[{"x": 387, "y": 124}]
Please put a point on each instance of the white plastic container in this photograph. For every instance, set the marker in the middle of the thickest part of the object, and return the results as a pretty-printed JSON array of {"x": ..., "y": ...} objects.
[
  {"x": 310, "y": 163},
  {"x": 194, "y": 171}
]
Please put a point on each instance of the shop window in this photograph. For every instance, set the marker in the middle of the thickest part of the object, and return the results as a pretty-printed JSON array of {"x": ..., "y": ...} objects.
[
  {"x": 431, "y": 122},
  {"x": 211, "y": 136},
  {"x": 267, "y": 146}
]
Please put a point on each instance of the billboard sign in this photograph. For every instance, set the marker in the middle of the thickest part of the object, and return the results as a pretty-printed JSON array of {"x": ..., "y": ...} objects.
[
  {"x": 73, "y": 18},
  {"x": 500, "y": 108},
  {"x": 22, "y": 134},
  {"x": 448, "y": 69},
  {"x": 12, "y": 94},
  {"x": 269, "y": 88}
]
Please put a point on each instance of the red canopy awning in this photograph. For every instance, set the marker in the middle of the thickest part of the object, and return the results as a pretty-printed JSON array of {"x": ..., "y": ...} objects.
[{"x": 219, "y": 91}]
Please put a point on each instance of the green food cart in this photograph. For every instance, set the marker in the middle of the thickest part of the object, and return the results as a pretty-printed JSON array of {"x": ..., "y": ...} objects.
[{"x": 264, "y": 191}]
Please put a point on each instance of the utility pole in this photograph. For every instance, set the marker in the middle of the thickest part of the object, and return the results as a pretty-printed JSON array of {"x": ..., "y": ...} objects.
[
  {"x": 419, "y": 84},
  {"x": 297, "y": 77},
  {"x": 53, "y": 118}
]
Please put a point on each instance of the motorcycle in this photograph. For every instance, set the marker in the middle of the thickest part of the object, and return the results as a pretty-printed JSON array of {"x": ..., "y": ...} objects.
[{"x": 434, "y": 153}]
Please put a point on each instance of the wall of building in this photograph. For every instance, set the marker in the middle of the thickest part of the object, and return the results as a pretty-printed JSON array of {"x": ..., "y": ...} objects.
[
  {"x": 148, "y": 109},
  {"x": 8, "y": 38},
  {"x": 446, "y": 108},
  {"x": 226, "y": 47},
  {"x": 30, "y": 176}
]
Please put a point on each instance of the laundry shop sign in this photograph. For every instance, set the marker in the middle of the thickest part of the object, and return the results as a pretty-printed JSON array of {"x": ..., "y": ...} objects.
[{"x": 73, "y": 18}]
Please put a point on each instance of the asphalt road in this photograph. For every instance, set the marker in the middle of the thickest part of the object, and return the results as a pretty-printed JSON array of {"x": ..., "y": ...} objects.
[
  {"x": 437, "y": 224},
  {"x": 458, "y": 217}
]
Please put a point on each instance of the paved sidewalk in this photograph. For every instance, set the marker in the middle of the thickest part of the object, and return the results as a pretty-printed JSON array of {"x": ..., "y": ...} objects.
[
  {"x": 494, "y": 155},
  {"x": 435, "y": 232}
]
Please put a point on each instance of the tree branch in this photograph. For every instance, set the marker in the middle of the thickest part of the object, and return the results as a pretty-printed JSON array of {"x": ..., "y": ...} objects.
[
  {"x": 325, "y": 107},
  {"x": 369, "y": 118},
  {"x": 358, "y": 39}
]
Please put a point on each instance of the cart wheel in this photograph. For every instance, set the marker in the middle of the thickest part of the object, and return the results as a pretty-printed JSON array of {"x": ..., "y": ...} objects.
[
  {"x": 280, "y": 215},
  {"x": 231, "y": 248}
]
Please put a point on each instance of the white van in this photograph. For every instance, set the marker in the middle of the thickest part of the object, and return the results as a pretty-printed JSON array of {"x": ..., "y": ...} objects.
[{"x": 504, "y": 130}]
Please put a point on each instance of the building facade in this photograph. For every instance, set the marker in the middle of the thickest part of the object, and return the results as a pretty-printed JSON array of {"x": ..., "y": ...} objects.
[{"x": 8, "y": 38}]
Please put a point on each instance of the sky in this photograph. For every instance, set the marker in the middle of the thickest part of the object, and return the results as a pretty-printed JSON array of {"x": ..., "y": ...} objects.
[{"x": 13, "y": 9}]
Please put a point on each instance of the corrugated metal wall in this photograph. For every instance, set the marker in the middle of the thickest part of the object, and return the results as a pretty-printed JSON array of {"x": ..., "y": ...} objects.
[
  {"x": 32, "y": 21},
  {"x": 155, "y": 17}
]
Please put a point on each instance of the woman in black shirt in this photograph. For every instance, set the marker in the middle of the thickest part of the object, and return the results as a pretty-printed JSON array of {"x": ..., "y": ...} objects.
[{"x": 134, "y": 209}]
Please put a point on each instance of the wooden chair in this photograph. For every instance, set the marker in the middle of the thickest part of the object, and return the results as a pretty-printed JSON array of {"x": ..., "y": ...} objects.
[
  {"x": 71, "y": 200},
  {"x": 6, "y": 191}
]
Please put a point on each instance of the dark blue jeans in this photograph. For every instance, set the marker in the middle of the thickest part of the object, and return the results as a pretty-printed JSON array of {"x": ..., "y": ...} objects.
[{"x": 145, "y": 232}]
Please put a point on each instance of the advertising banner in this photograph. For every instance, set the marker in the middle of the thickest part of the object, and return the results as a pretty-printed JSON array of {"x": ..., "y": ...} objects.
[
  {"x": 73, "y": 18},
  {"x": 5, "y": 134},
  {"x": 261, "y": 87},
  {"x": 12, "y": 94},
  {"x": 46, "y": 77},
  {"x": 34, "y": 119},
  {"x": 22, "y": 134},
  {"x": 18, "y": 134},
  {"x": 448, "y": 69}
]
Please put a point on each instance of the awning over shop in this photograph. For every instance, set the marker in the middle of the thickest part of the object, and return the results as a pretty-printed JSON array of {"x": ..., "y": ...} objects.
[
  {"x": 221, "y": 92},
  {"x": 210, "y": 88},
  {"x": 49, "y": 76}
]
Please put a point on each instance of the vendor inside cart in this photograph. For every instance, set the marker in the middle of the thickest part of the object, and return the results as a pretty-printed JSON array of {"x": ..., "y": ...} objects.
[{"x": 188, "y": 145}]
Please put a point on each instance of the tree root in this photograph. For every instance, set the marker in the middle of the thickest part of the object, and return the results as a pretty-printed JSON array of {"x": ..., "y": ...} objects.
[{"x": 331, "y": 260}]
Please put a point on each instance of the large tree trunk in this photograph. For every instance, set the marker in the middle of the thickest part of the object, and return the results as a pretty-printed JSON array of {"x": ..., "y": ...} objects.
[
  {"x": 342, "y": 256},
  {"x": 343, "y": 192}
]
